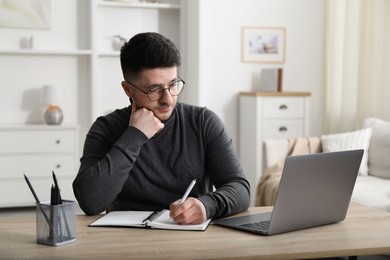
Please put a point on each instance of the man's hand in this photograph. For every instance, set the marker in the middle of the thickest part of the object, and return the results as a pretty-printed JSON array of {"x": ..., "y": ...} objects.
[
  {"x": 145, "y": 121},
  {"x": 192, "y": 211}
]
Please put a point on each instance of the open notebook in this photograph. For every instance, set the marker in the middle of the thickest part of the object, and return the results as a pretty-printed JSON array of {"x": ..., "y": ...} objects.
[{"x": 147, "y": 219}]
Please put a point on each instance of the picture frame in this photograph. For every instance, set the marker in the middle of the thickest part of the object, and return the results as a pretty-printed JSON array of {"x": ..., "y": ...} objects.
[
  {"x": 29, "y": 14},
  {"x": 263, "y": 44}
]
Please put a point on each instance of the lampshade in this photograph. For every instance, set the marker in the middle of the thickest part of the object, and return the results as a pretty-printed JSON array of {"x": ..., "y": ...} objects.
[{"x": 52, "y": 95}]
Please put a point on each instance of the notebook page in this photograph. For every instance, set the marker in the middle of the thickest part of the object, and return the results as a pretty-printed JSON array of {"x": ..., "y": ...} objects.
[{"x": 122, "y": 218}]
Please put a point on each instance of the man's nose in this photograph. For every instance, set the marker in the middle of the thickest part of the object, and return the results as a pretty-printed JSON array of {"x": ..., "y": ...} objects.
[{"x": 165, "y": 95}]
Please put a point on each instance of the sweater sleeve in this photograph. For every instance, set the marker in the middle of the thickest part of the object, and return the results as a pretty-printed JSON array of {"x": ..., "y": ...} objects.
[
  {"x": 105, "y": 166},
  {"x": 232, "y": 193}
]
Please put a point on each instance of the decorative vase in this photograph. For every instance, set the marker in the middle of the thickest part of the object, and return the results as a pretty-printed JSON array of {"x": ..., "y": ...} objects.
[{"x": 117, "y": 42}]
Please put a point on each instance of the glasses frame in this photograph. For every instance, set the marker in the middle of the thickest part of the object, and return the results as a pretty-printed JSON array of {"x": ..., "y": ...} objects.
[{"x": 161, "y": 89}]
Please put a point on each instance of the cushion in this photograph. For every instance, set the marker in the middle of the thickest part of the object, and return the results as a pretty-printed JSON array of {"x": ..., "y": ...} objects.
[
  {"x": 372, "y": 191},
  {"x": 275, "y": 151},
  {"x": 349, "y": 141},
  {"x": 378, "y": 155}
]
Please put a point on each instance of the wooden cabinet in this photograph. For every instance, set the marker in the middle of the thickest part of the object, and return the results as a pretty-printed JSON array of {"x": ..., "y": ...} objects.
[
  {"x": 36, "y": 150},
  {"x": 264, "y": 116}
]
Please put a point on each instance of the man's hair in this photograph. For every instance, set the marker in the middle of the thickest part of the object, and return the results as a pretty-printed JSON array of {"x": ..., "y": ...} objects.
[{"x": 148, "y": 51}]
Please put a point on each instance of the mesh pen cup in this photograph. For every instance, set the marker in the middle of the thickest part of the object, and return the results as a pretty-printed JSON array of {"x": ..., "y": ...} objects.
[{"x": 56, "y": 224}]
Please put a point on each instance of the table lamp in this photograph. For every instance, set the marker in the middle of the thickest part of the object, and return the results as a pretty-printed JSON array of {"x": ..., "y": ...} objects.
[{"x": 51, "y": 96}]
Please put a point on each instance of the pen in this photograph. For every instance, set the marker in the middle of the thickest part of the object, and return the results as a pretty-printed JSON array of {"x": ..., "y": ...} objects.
[
  {"x": 37, "y": 200},
  {"x": 58, "y": 200},
  {"x": 192, "y": 184},
  {"x": 57, "y": 194}
]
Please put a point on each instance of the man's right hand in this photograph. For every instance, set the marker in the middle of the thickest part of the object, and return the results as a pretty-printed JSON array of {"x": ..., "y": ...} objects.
[{"x": 145, "y": 121}]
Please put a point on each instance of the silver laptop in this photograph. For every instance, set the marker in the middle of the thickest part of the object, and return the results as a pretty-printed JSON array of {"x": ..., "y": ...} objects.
[{"x": 314, "y": 190}]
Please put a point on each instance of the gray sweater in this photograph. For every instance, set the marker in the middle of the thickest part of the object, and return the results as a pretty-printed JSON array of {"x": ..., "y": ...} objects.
[{"x": 121, "y": 169}]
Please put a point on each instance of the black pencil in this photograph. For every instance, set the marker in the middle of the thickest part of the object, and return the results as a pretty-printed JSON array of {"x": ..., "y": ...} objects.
[
  {"x": 60, "y": 201},
  {"x": 57, "y": 189},
  {"x": 37, "y": 200}
]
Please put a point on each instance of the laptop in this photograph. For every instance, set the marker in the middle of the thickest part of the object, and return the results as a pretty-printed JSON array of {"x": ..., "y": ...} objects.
[{"x": 314, "y": 190}]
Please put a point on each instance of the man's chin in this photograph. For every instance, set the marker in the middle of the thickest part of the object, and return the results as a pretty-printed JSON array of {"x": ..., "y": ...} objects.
[
  {"x": 164, "y": 113},
  {"x": 163, "y": 116}
]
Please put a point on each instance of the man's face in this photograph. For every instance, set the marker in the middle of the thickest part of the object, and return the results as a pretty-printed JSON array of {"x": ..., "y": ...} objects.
[{"x": 162, "y": 77}]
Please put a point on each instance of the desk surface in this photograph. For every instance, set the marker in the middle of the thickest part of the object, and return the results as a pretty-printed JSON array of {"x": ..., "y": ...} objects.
[{"x": 365, "y": 231}]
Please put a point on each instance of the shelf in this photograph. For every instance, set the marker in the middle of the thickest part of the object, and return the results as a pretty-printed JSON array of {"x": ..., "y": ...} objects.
[
  {"x": 109, "y": 54},
  {"x": 37, "y": 126},
  {"x": 46, "y": 52},
  {"x": 138, "y": 5}
]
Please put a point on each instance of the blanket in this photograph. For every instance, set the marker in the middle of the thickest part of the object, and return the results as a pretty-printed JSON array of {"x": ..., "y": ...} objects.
[{"x": 269, "y": 181}]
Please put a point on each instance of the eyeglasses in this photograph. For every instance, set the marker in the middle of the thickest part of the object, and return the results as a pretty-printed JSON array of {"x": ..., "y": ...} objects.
[{"x": 154, "y": 93}]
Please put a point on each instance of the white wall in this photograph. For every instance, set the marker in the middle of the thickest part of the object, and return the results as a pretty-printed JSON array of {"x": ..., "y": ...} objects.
[{"x": 222, "y": 74}]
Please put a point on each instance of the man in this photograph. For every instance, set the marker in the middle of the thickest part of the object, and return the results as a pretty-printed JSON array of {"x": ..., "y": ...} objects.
[{"x": 143, "y": 157}]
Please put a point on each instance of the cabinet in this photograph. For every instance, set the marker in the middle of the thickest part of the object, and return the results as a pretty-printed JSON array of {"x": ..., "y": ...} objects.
[
  {"x": 264, "y": 116},
  {"x": 36, "y": 150}
]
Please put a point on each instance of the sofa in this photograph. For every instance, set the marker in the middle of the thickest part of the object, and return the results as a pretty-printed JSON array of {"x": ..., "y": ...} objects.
[{"x": 372, "y": 187}]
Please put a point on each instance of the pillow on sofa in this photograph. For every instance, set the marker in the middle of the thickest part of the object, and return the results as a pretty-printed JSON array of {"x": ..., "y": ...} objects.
[
  {"x": 349, "y": 141},
  {"x": 378, "y": 155}
]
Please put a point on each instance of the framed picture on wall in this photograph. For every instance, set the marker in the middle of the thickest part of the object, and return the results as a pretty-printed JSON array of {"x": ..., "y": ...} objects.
[
  {"x": 31, "y": 14},
  {"x": 263, "y": 44}
]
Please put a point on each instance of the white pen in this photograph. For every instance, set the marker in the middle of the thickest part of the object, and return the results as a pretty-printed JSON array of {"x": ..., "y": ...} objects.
[{"x": 192, "y": 184}]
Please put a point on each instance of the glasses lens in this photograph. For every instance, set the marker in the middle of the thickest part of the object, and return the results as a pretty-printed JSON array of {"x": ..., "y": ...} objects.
[
  {"x": 174, "y": 89},
  {"x": 154, "y": 94}
]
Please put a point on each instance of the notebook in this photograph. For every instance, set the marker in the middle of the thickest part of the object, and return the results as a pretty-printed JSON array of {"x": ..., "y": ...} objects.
[
  {"x": 314, "y": 190},
  {"x": 146, "y": 219}
]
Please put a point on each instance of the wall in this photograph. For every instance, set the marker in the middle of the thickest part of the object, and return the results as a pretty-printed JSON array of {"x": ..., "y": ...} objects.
[{"x": 221, "y": 74}]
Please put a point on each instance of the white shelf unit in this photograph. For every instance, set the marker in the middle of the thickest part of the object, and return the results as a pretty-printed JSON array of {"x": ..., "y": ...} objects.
[
  {"x": 60, "y": 56},
  {"x": 76, "y": 53},
  {"x": 96, "y": 82},
  {"x": 268, "y": 116},
  {"x": 46, "y": 52}
]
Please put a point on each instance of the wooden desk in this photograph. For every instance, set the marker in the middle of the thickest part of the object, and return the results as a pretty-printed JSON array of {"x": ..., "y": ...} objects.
[{"x": 365, "y": 231}]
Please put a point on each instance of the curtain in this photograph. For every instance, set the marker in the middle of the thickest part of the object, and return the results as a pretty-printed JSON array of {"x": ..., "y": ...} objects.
[{"x": 357, "y": 63}]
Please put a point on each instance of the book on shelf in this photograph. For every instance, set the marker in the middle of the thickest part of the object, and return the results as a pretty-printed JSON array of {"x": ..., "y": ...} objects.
[
  {"x": 146, "y": 219},
  {"x": 271, "y": 79}
]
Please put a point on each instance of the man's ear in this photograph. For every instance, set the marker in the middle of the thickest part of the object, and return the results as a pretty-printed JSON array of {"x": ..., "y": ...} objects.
[{"x": 126, "y": 87}]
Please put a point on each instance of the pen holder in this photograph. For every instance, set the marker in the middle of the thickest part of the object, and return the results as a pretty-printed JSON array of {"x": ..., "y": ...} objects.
[{"x": 56, "y": 224}]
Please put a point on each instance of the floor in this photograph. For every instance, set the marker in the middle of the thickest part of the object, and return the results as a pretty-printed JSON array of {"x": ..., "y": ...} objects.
[{"x": 30, "y": 211}]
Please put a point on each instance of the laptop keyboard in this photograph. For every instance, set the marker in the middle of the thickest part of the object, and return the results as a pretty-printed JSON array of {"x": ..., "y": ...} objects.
[{"x": 262, "y": 226}]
